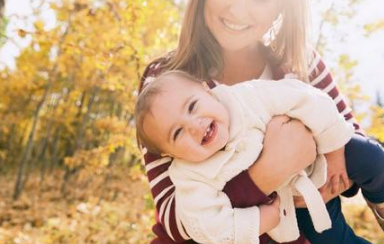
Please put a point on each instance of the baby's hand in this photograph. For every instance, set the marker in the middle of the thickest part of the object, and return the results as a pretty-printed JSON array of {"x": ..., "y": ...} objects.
[{"x": 269, "y": 215}]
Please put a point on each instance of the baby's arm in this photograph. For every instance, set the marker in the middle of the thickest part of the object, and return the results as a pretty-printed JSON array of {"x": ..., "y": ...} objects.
[
  {"x": 208, "y": 216},
  {"x": 301, "y": 101}
]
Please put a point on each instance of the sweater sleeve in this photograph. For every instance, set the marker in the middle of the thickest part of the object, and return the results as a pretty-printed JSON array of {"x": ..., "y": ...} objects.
[
  {"x": 207, "y": 213},
  {"x": 321, "y": 78},
  {"x": 301, "y": 101},
  {"x": 241, "y": 190}
]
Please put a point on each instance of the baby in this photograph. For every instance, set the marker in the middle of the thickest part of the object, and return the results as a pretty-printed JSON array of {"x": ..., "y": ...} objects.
[{"x": 213, "y": 135}]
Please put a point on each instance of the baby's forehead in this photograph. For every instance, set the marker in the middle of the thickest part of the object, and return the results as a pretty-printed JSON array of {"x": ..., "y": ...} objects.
[{"x": 178, "y": 80}]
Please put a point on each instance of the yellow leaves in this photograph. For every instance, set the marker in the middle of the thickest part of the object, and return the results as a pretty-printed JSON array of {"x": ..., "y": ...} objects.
[
  {"x": 136, "y": 172},
  {"x": 111, "y": 125},
  {"x": 113, "y": 133},
  {"x": 346, "y": 63},
  {"x": 354, "y": 93},
  {"x": 91, "y": 160},
  {"x": 331, "y": 17},
  {"x": 373, "y": 27},
  {"x": 22, "y": 33},
  {"x": 377, "y": 123},
  {"x": 361, "y": 219},
  {"x": 96, "y": 45},
  {"x": 97, "y": 212},
  {"x": 3, "y": 155},
  {"x": 39, "y": 26},
  {"x": 39, "y": 29},
  {"x": 54, "y": 6}
]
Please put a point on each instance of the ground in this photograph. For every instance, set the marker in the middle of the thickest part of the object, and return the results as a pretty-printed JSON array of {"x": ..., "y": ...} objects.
[{"x": 99, "y": 211}]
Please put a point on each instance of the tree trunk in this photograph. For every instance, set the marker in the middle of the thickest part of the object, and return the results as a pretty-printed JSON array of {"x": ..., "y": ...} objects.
[
  {"x": 28, "y": 149},
  {"x": 36, "y": 116},
  {"x": 55, "y": 146},
  {"x": 2, "y": 5},
  {"x": 41, "y": 156},
  {"x": 79, "y": 143}
]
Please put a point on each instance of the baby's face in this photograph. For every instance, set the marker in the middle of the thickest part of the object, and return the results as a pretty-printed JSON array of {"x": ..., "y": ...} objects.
[{"x": 186, "y": 121}]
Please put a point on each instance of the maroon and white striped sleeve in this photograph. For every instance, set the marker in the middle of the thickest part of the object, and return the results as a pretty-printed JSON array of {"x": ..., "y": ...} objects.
[
  {"x": 321, "y": 78},
  {"x": 162, "y": 188},
  {"x": 163, "y": 192}
]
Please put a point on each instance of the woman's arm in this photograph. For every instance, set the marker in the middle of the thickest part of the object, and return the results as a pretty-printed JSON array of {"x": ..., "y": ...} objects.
[{"x": 321, "y": 78}]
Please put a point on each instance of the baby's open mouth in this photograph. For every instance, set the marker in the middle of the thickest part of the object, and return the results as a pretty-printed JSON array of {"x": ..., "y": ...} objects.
[{"x": 209, "y": 133}]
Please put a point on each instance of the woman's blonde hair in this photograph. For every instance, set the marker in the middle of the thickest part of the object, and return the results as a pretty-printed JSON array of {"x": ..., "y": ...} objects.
[
  {"x": 199, "y": 53},
  {"x": 293, "y": 52}
]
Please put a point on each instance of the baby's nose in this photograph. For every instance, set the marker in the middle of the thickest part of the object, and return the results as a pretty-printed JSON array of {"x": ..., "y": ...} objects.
[{"x": 197, "y": 126}]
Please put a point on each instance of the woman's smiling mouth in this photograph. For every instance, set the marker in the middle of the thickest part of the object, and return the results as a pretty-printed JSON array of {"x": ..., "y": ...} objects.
[{"x": 234, "y": 27}]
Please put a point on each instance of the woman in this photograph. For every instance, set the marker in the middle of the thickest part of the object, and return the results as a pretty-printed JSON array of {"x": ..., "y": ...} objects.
[{"x": 223, "y": 40}]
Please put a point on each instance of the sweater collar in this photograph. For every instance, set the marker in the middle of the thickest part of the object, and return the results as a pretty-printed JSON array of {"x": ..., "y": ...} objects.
[{"x": 226, "y": 97}]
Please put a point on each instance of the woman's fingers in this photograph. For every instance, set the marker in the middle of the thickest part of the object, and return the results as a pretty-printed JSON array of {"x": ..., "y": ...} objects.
[
  {"x": 346, "y": 181},
  {"x": 279, "y": 120},
  {"x": 288, "y": 148},
  {"x": 335, "y": 183}
]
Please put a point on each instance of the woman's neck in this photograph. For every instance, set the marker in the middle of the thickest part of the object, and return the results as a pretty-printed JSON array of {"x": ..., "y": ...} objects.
[{"x": 242, "y": 65}]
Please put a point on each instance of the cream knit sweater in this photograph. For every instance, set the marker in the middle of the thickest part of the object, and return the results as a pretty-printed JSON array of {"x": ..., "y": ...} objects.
[{"x": 206, "y": 211}]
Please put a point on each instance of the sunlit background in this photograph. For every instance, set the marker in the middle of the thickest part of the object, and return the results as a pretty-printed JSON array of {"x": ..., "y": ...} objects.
[
  {"x": 349, "y": 36},
  {"x": 70, "y": 171}
]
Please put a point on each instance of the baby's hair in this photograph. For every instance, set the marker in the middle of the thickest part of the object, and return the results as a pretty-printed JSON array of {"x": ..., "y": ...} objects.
[{"x": 151, "y": 88}]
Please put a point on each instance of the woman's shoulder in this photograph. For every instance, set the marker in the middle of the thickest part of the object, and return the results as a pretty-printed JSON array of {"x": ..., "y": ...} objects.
[{"x": 316, "y": 67}]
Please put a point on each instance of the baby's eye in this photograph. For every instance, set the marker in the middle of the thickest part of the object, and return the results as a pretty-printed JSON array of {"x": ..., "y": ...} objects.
[
  {"x": 192, "y": 106},
  {"x": 176, "y": 134}
]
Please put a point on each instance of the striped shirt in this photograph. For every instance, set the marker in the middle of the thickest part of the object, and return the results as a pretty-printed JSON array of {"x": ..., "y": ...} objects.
[{"x": 169, "y": 228}]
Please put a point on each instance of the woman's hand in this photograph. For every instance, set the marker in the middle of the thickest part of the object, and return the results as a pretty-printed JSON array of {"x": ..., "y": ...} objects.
[
  {"x": 326, "y": 193},
  {"x": 337, "y": 178},
  {"x": 269, "y": 216},
  {"x": 288, "y": 148}
]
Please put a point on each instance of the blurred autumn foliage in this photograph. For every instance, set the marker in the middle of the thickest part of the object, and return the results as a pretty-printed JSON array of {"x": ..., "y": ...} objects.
[
  {"x": 69, "y": 101},
  {"x": 70, "y": 169}
]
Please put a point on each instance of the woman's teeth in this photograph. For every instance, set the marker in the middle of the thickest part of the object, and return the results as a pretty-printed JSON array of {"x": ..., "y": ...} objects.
[{"x": 233, "y": 26}]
